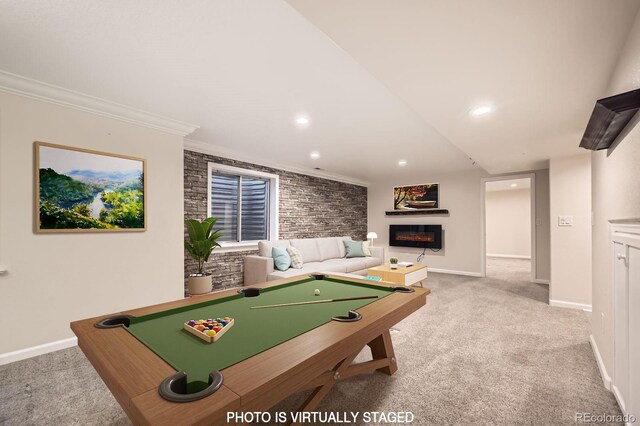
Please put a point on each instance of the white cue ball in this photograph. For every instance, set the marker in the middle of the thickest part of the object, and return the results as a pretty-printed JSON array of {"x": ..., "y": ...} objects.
[{"x": 317, "y": 292}]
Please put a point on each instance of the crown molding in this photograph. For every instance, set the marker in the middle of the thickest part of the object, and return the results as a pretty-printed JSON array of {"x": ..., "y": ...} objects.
[
  {"x": 38, "y": 90},
  {"x": 207, "y": 148}
]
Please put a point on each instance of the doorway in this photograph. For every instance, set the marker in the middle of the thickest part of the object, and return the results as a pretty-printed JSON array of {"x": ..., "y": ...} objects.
[{"x": 508, "y": 237}]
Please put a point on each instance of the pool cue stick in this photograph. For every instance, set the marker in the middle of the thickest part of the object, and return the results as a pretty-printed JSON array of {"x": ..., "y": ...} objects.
[{"x": 314, "y": 301}]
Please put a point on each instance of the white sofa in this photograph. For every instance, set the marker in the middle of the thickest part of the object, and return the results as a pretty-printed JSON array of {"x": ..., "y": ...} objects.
[{"x": 318, "y": 254}]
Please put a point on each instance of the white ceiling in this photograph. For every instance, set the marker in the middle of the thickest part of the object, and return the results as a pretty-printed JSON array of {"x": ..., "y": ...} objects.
[
  {"x": 506, "y": 185},
  {"x": 398, "y": 84},
  {"x": 541, "y": 63},
  {"x": 239, "y": 69}
]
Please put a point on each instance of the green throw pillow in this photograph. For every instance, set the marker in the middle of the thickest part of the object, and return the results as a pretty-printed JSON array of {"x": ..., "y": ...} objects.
[
  {"x": 353, "y": 248},
  {"x": 281, "y": 258}
]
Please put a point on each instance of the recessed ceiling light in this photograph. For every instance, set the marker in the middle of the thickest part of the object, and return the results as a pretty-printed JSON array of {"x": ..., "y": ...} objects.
[
  {"x": 314, "y": 155},
  {"x": 514, "y": 185},
  {"x": 302, "y": 121},
  {"x": 481, "y": 110},
  {"x": 402, "y": 163}
]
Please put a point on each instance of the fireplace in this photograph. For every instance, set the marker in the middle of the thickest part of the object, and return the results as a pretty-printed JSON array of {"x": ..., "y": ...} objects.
[{"x": 421, "y": 236}]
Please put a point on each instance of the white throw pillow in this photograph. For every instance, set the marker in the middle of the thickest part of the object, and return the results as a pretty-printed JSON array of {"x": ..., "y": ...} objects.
[
  {"x": 365, "y": 248},
  {"x": 296, "y": 257}
]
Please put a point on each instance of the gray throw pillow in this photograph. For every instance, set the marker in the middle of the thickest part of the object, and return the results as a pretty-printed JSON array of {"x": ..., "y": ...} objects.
[{"x": 353, "y": 249}]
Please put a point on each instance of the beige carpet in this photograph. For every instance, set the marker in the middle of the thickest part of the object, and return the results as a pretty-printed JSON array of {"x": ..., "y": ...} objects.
[{"x": 483, "y": 351}]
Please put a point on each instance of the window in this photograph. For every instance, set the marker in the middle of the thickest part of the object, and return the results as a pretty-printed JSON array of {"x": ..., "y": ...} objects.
[{"x": 245, "y": 204}]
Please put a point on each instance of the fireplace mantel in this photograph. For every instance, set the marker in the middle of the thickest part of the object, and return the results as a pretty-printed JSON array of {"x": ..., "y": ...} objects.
[{"x": 416, "y": 212}]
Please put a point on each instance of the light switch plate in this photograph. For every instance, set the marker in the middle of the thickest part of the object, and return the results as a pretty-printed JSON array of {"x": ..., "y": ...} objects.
[{"x": 565, "y": 220}]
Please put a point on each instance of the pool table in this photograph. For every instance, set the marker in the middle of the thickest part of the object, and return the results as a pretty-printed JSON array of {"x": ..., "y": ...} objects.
[{"x": 154, "y": 368}]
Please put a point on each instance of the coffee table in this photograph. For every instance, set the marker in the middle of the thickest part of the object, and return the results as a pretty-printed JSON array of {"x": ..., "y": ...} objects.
[{"x": 403, "y": 275}]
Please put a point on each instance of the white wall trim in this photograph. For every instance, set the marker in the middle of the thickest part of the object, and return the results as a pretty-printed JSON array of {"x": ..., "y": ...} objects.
[
  {"x": 234, "y": 247},
  {"x": 38, "y": 90},
  {"x": 545, "y": 282},
  {"x": 454, "y": 272},
  {"x": 21, "y": 354},
  {"x": 207, "y": 148},
  {"x": 509, "y": 256},
  {"x": 606, "y": 379},
  {"x": 570, "y": 305}
]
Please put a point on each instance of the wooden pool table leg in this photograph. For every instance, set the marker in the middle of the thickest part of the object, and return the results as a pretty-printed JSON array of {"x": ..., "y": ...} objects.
[
  {"x": 382, "y": 348},
  {"x": 384, "y": 360},
  {"x": 326, "y": 382}
]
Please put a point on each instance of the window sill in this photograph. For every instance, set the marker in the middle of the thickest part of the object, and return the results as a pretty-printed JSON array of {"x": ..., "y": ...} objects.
[{"x": 230, "y": 247}]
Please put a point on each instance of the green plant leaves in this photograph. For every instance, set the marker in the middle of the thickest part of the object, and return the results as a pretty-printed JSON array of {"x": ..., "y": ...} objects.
[{"x": 203, "y": 240}]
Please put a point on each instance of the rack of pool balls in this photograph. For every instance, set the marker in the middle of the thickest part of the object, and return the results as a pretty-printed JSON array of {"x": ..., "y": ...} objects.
[{"x": 209, "y": 330}]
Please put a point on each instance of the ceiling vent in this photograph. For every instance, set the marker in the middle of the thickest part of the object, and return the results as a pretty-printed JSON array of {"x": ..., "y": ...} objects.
[{"x": 611, "y": 120}]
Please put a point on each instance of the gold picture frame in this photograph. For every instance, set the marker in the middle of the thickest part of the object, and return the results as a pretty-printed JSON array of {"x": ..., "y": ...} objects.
[{"x": 91, "y": 191}]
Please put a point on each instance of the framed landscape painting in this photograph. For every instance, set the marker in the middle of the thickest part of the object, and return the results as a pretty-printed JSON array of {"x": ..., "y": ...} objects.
[
  {"x": 79, "y": 190},
  {"x": 416, "y": 197}
]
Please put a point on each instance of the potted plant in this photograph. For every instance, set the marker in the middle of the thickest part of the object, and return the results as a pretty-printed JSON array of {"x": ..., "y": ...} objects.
[
  {"x": 200, "y": 244},
  {"x": 393, "y": 263}
]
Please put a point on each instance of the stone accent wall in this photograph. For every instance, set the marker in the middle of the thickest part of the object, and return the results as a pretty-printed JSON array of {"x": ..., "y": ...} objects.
[{"x": 309, "y": 207}]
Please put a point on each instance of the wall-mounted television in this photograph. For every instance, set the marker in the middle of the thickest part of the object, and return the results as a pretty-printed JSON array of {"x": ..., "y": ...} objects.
[{"x": 421, "y": 236}]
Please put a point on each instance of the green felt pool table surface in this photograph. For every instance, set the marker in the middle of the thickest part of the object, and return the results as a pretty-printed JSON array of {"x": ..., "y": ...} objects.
[{"x": 254, "y": 330}]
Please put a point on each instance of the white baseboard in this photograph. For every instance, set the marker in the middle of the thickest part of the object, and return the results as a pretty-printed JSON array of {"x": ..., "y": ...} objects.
[
  {"x": 606, "y": 379},
  {"x": 570, "y": 305},
  {"x": 509, "y": 256},
  {"x": 545, "y": 282},
  {"x": 21, "y": 354},
  {"x": 616, "y": 393},
  {"x": 452, "y": 272}
]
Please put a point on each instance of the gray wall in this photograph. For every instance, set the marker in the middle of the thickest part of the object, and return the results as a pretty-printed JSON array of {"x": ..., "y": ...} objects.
[
  {"x": 460, "y": 194},
  {"x": 309, "y": 207},
  {"x": 614, "y": 195},
  {"x": 543, "y": 226},
  {"x": 148, "y": 263},
  {"x": 570, "y": 195},
  {"x": 508, "y": 222}
]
